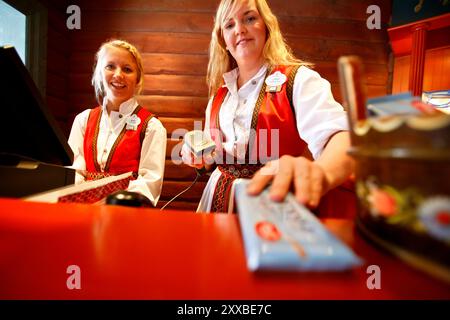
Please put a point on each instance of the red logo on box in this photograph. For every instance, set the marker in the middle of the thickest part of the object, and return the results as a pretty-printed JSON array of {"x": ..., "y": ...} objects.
[{"x": 267, "y": 231}]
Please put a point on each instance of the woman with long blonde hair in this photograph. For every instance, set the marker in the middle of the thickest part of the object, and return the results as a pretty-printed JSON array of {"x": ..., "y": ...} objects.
[{"x": 267, "y": 108}]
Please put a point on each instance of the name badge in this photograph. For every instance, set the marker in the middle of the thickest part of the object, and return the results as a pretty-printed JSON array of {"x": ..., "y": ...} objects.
[
  {"x": 133, "y": 122},
  {"x": 275, "y": 81}
]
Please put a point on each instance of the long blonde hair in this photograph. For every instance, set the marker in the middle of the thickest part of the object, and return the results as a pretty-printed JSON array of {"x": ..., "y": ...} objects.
[
  {"x": 275, "y": 52},
  {"x": 97, "y": 74}
]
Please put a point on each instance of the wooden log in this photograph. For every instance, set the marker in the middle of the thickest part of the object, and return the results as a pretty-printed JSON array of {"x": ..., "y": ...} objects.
[
  {"x": 57, "y": 41},
  {"x": 375, "y": 74},
  {"x": 172, "y": 188},
  {"x": 57, "y": 63},
  {"x": 151, "y": 42},
  {"x": 177, "y": 85},
  {"x": 161, "y": 106},
  {"x": 59, "y": 107},
  {"x": 56, "y": 85},
  {"x": 177, "y": 127},
  {"x": 328, "y": 49},
  {"x": 153, "y": 6},
  {"x": 330, "y": 28},
  {"x": 172, "y": 85},
  {"x": 173, "y": 147},
  {"x": 179, "y": 205},
  {"x": 180, "y": 172},
  {"x": 154, "y": 63},
  {"x": 175, "y": 106},
  {"x": 336, "y": 9},
  {"x": 144, "y": 21},
  {"x": 57, "y": 19}
]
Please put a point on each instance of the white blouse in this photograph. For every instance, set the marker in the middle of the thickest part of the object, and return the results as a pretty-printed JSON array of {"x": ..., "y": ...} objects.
[
  {"x": 318, "y": 116},
  {"x": 153, "y": 150}
]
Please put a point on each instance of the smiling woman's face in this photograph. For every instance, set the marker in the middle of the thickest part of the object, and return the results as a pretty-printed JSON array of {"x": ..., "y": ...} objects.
[
  {"x": 244, "y": 33},
  {"x": 119, "y": 76}
]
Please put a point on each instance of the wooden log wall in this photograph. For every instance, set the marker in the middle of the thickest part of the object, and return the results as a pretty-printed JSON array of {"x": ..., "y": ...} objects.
[
  {"x": 173, "y": 38},
  {"x": 58, "y": 51}
]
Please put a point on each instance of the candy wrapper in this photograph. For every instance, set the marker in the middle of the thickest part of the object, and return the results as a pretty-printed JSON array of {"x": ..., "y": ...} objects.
[{"x": 287, "y": 236}]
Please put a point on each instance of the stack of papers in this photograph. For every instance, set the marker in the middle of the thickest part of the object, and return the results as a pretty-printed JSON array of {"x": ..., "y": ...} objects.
[
  {"x": 439, "y": 99},
  {"x": 392, "y": 105}
]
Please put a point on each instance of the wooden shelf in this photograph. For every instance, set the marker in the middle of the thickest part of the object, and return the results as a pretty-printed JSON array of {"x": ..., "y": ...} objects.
[
  {"x": 413, "y": 40},
  {"x": 438, "y": 29}
]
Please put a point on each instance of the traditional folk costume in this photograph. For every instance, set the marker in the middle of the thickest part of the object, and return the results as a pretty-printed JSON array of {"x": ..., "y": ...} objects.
[
  {"x": 131, "y": 139},
  {"x": 295, "y": 118}
]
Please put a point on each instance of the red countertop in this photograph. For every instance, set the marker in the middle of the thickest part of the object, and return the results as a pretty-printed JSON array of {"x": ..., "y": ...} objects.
[{"x": 134, "y": 253}]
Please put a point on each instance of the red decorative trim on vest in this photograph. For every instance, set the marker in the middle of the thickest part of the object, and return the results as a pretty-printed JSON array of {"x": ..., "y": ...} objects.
[
  {"x": 96, "y": 194},
  {"x": 92, "y": 130},
  {"x": 222, "y": 192},
  {"x": 214, "y": 126},
  {"x": 101, "y": 175}
]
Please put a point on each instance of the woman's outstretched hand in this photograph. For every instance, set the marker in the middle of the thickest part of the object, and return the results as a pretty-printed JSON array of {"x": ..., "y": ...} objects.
[{"x": 307, "y": 177}]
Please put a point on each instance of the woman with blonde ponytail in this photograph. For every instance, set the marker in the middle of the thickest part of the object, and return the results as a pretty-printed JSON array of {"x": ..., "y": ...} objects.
[{"x": 119, "y": 135}]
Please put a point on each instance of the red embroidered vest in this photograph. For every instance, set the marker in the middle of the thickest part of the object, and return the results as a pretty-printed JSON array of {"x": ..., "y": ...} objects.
[
  {"x": 273, "y": 113},
  {"x": 126, "y": 151}
]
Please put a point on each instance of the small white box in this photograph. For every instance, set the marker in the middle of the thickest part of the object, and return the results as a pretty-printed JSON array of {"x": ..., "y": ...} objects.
[{"x": 198, "y": 143}]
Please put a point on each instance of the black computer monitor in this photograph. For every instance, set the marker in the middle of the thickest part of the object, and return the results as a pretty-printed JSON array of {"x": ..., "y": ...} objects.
[{"x": 27, "y": 128}]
